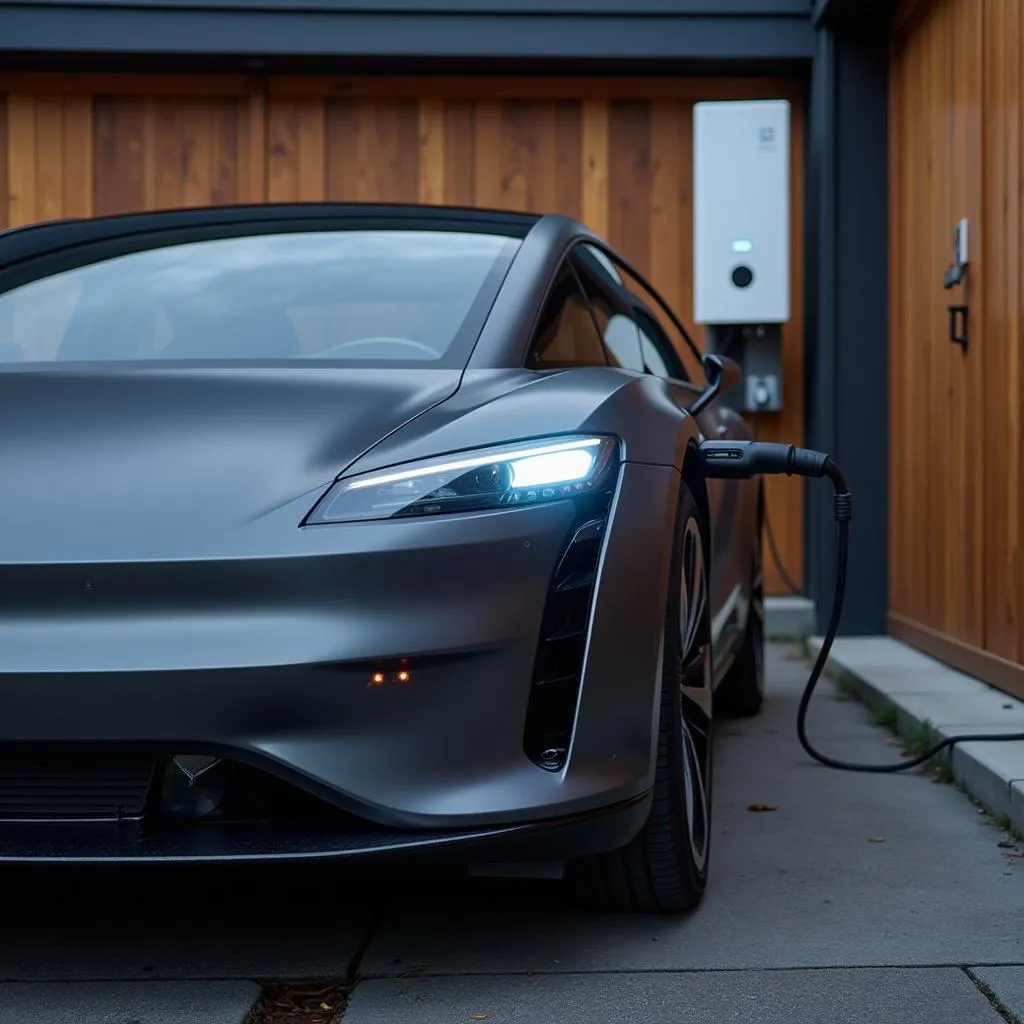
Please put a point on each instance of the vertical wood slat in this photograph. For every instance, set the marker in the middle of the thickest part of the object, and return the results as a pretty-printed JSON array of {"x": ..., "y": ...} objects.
[
  {"x": 21, "y": 159},
  {"x": 4, "y": 160},
  {"x": 594, "y": 161},
  {"x": 621, "y": 163},
  {"x": 432, "y": 152}
]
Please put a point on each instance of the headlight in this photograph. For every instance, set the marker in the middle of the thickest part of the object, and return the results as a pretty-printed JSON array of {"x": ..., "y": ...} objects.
[{"x": 509, "y": 475}]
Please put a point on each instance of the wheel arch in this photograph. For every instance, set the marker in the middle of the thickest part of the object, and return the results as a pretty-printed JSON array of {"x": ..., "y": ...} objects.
[{"x": 693, "y": 478}]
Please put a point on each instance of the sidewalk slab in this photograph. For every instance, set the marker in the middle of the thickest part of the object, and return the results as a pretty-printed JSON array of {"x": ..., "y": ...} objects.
[
  {"x": 128, "y": 1002},
  {"x": 1006, "y": 984},
  {"x": 882, "y": 671},
  {"x": 881, "y": 996}
]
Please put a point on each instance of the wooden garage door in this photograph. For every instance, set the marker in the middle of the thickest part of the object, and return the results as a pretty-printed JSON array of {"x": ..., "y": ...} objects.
[
  {"x": 957, "y": 492},
  {"x": 616, "y": 153}
]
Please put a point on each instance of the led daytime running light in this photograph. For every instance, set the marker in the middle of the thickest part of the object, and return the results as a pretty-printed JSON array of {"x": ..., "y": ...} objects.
[{"x": 380, "y": 479}]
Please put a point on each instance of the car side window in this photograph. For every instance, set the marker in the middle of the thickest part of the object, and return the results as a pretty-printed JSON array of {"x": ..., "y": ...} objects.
[
  {"x": 566, "y": 334},
  {"x": 665, "y": 349},
  {"x": 612, "y": 312},
  {"x": 649, "y": 348}
]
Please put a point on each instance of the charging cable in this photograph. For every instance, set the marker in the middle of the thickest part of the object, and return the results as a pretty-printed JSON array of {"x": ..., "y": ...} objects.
[{"x": 741, "y": 460}]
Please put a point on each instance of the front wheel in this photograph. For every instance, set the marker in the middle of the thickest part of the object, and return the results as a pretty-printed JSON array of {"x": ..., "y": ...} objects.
[
  {"x": 741, "y": 693},
  {"x": 665, "y": 867}
]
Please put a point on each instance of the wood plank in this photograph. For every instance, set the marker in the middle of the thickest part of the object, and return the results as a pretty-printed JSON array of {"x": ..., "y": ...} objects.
[
  {"x": 164, "y": 152},
  {"x": 785, "y": 496},
  {"x": 594, "y": 166},
  {"x": 21, "y": 159},
  {"x": 49, "y": 185},
  {"x": 432, "y": 151},
  {"x": 990, "y": 668},
  {"x": 517, "y": 155},
  {"x": 567, "y": 118},
  {"x": 4, "y": 159},
  {"x": 1002, "y": 269},
  {"x": 1016, "y": 422},
  {"x": 225, "y": 152},
  {"x": 196, "y": 153},
  {"x": 77, "y": 156},
  {"x": 283, "y": 150},
  {"x": 312, "y": 147},
  {"x": 487, "y": 169},
  {"x": 629, "y": 181},
  {"x": 459, "y": 152},
  {"x": 119, "y": 164},
  {"x": 253, "y": 142}
]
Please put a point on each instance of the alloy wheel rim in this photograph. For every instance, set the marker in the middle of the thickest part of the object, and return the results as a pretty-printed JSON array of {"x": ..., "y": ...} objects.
[{"x": 695, "y": 691}]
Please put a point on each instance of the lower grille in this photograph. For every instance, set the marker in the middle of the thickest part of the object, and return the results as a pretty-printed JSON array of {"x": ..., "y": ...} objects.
[
  {"x": 559, "y": 662},
  {"x": 38, "y": 788}
]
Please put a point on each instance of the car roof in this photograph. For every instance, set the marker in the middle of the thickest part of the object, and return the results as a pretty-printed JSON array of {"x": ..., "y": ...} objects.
[{"x": 49, "y": 237}]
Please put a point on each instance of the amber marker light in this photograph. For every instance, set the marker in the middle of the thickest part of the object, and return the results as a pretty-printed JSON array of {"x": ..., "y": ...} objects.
[
  {"x": 402, "y": 676},
  {"x": 377, "y": 679}
]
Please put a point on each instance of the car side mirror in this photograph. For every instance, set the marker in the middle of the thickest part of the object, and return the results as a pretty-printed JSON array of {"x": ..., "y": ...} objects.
[{"x": 722, "y": 374}]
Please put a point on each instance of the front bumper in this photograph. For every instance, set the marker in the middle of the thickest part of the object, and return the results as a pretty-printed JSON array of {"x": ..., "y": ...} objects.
[
  {"x": 267, "y": 658},
  {"x": 553, "y": 839}
]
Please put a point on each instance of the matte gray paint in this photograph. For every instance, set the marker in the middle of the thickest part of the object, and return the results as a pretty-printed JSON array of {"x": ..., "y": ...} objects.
[
  {"x": 188, "y": 32},
  {"x": 155, "y": 586},
  {"x": 630, "y": 8}
]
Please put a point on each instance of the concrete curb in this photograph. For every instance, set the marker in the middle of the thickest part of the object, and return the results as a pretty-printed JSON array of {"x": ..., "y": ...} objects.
[
  {"x": 788, "y": 618},
  {"x": 883, "y": 672}
]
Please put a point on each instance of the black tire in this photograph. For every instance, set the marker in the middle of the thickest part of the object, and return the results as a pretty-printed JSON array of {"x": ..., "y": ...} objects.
[
  {"x": 741, "y": 693},
  {"x": 665, "y": 867}
]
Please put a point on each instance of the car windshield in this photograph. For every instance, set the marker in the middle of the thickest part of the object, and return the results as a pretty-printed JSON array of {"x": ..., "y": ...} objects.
[{"x": 363, "y": 297}]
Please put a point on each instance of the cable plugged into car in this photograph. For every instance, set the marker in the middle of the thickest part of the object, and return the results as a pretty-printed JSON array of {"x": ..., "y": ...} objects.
[{"x": 741, "y": 460}]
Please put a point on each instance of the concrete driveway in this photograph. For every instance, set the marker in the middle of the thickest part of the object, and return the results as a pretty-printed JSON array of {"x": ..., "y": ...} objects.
[{"x": 854, "y": 898}]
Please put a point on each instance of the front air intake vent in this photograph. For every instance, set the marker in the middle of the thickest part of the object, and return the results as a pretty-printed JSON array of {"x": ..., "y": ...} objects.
[
  {"x": 73, "y": 788},
  {"x": 558, "y": 667}
]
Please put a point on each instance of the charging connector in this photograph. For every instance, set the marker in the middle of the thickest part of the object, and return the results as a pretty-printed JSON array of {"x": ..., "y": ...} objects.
[{"x": 741, "y": 460}]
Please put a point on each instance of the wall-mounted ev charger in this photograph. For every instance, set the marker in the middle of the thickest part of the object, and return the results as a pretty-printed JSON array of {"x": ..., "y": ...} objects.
[{"x": 741, "y": 239}]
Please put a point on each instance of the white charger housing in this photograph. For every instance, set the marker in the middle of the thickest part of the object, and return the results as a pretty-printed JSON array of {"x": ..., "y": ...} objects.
[{"x": 741, "y": 212}]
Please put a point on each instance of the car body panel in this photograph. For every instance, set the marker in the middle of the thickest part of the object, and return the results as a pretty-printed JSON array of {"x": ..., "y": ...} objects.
[{"x": 158, "y": 590}]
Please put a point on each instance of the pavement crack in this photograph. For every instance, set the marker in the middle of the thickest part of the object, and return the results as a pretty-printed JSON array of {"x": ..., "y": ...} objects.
[
  {"x": 322, "y": 1001},
  {"x": 987, "y": 992}
]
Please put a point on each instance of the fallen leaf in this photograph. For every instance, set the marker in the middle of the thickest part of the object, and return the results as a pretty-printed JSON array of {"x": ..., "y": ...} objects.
[
  {"x": 1007, "y": 844},
  {"x": 325, "y": 1006},
  {"x": 876, "y": 839},
  {"x": 1015, "y": 853},
  {"x": 478, "y": 1016},
  {"x": 760, "y": 808},
  {"x": 555, "y": 960}
]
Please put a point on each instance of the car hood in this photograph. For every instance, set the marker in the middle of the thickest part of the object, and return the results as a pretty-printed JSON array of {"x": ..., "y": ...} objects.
[{"x": 114, "y": 464}]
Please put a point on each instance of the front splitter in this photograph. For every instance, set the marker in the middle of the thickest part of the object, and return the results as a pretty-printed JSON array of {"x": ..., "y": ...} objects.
[{"x": 84, "y": 843}]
